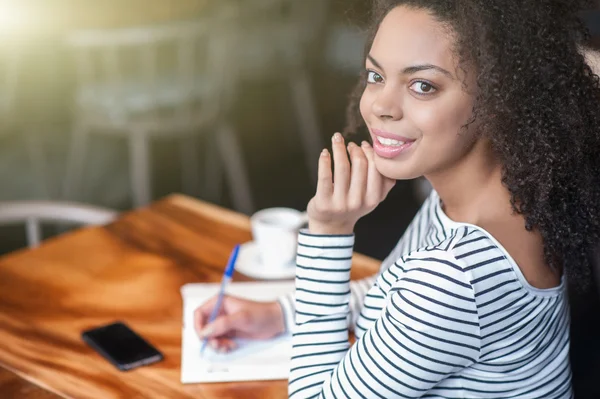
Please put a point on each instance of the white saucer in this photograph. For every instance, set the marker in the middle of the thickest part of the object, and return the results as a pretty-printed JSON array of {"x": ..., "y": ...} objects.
[{"x": 249, "y": 264}]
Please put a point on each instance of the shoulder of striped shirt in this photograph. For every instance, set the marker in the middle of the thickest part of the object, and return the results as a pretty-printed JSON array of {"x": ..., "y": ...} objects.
[
  {"x": 431, "y": 258},
  {"x": 446, "y": 249},
  {"x": 443, "y": 260},
  {"x": 436, "y": 270}
]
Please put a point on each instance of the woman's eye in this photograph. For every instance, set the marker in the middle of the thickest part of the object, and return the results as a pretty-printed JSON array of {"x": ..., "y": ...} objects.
[
  {"x": 421, "y": 87},
  {"x": 374, "y": 77}
]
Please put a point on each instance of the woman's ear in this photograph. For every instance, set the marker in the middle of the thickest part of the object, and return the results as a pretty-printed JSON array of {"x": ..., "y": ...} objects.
[{"x": 592, "y": 58}]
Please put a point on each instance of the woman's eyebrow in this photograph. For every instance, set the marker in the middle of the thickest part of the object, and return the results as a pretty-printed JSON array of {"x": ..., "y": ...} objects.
[
  {"x": 373, "y": 61},
  {"x": 415, "y": 68}
]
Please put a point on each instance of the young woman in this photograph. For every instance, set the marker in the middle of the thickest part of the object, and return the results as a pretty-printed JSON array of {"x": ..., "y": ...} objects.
[{"x": 493, "y": 103}]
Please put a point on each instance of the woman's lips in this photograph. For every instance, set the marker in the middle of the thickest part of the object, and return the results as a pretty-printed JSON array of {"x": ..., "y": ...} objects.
[
  {"x": 388, "y": 135},
  {"x": 389, "y": 145}
]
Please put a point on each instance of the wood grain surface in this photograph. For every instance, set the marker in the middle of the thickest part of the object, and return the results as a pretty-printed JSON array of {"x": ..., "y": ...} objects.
[
  {"x": 130, "y": 270},
  {"x": 13, "y": 386}
]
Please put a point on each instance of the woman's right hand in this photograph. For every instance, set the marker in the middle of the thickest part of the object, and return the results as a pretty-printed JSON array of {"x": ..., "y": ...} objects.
[
  {"x": 354, "y": 189},
  {"x": 238, "y": 318}
]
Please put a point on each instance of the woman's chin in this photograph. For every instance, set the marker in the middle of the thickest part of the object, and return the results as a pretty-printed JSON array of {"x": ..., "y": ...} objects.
[{"x": 395, "y": 170}]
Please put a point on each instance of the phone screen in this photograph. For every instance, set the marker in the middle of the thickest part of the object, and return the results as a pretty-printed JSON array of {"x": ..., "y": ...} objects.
[{"x": 121, "y": 346}]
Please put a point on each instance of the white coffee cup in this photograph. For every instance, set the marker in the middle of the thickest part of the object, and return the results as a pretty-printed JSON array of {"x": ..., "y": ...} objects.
[{"x": 275, "y": 232}]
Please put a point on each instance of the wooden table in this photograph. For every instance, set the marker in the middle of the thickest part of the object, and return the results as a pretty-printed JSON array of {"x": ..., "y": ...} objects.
[{"x": 130, "y": 270}]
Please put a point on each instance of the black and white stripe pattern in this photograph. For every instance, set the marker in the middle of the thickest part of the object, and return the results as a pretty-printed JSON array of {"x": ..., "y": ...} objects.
[
  {"x": 410, "y": 240},
  {"x": 449, "y": 316}
]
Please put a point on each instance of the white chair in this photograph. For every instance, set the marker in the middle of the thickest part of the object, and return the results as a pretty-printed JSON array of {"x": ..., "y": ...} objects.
[
  {"x": 273, "y": 39},
  {"x": 33, "y": 213},
  {"x": 159, "y": 82}
]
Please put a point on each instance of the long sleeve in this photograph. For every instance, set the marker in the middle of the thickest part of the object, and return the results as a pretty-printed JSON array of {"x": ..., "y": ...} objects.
[
  {"x": 411, "y": 239},
  {"x": 358, "y": 290},
  {"x": 322, "y": 308},
  {"x": 427, "y": 331}
]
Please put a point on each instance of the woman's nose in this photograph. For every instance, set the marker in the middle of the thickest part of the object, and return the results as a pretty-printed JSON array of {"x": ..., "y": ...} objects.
[{"x": 388, "y": 104}]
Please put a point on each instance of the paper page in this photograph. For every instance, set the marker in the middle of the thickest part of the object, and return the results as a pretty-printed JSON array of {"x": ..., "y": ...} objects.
[{"x": 253, "y": 360}]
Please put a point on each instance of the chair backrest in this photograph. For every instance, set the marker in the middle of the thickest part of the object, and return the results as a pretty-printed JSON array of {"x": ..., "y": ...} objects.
[
  {"x": 277, "y": 29},
  {"x": 184, "y": 56},
  {"x": 33, "y": 213}
]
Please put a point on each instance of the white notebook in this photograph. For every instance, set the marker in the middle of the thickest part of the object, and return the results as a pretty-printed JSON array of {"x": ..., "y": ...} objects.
[{"x": 253, "y": 360}]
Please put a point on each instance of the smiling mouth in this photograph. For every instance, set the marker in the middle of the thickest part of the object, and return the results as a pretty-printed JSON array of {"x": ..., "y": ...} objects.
[
  {"x": 387, "y": 147},
  {"x": 390, "y": 142},
  {"x": 389, "y": 138}
]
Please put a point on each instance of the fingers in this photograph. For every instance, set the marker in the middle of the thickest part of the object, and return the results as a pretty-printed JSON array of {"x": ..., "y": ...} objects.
[
  {"x": 341, "y": 170},
  {"x": 324, "y": 182},
  {"x": 202, "y": 313},
  {"x": 353, "y": 190},
  {"x": 358, "y": 180},
  {"x": 224, "y": 325},
  {"x": 374, "y": 177},
  {"x": 222, "y": 345},
  {"x": 347, "y": 191},
  {"x": 378, "y": 186}
]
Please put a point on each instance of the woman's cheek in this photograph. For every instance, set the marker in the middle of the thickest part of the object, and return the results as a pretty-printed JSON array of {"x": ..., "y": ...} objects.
[
  {"x": 426, "y": 119},
  {"x": 440, "y": 120}
]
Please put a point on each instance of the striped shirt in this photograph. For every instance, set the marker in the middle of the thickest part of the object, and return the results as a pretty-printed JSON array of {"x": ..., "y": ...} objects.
[{"x": 450, "y": 315}]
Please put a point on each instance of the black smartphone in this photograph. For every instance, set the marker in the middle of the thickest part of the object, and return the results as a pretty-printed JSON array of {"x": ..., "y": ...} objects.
[{"x": 121, "y": 346}]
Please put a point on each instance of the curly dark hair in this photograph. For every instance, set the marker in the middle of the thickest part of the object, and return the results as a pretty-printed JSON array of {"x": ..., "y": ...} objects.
[{"x": 539, "y": 104}]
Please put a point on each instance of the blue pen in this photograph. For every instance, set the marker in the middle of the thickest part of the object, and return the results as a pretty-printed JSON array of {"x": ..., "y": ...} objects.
[{"x": 226, "y": 279}]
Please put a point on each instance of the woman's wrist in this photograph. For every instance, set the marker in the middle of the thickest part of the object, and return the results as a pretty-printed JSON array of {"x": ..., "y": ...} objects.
[{"x": 320, "y": 228}]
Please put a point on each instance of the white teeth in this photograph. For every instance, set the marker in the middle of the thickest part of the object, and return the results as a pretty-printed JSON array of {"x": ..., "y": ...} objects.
[{"x": 390, "y": 142}]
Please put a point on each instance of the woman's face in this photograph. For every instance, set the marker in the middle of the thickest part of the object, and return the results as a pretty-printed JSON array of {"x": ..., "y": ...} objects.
[{"x": 415, "y": 102}]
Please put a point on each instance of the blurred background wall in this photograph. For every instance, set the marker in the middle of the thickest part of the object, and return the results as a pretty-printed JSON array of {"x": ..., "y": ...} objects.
[{"x": 100, "y": 70}]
